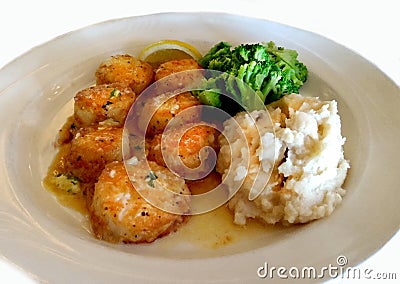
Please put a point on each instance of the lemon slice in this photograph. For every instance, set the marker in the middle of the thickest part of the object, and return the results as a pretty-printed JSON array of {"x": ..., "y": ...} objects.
[{"x": 166, "y": 50}]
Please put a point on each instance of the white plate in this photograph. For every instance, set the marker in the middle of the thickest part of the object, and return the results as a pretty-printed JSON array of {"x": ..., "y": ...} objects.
[{"x": 52, "y": 243}]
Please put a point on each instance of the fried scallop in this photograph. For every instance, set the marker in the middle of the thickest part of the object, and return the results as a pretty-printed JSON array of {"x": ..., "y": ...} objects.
[
  {"x": 118, "y": 213},
  {"x": 176, "y": 66},
  {"x": 181, "y": 146},
  {"x": 170, "y": 99},
  {"x": 106, "y": 103},
  {"x": 165, "y": 112},
  {"x": 127, "y": 70},
  {"x": 91, "y": 149}
]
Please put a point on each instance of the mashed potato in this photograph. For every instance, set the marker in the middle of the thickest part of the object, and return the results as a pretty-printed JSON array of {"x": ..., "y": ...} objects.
[{"x": 304, "y": 161}]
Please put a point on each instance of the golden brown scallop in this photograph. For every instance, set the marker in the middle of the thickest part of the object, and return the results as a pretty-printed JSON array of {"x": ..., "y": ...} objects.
[
  {"x": 125, "y": 69},
  {"x": 92, "y": 149},
  {"x": 106, "y": 103},
  {"x": 183, "y": 144},
  {"x": 171, "y": 108},
  {"x": 176, "y": 66},
  {"x": 161, "y": 106},
  {"x": 119, "y": 214}
]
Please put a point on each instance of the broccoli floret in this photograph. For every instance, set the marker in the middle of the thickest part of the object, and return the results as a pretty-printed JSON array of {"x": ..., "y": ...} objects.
[
  {"x": 286, "y": 60},
  {"x": 250, "y": 52},
  {"x": 270, "y": 85},
  {"x": 270, "y": 71},
  {"x": 218, "y": 58},
  {"x": 209, "y": 97}
]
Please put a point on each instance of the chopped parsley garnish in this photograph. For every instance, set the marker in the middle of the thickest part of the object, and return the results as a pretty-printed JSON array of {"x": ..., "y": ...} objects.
[
  {"x": 150, "y": 178},
  {"x": 74, "y": 180},
  {"x": 67, "y": 183},
  {"x": 115, "y": 93},
  {"x": 106, "y": 104}
]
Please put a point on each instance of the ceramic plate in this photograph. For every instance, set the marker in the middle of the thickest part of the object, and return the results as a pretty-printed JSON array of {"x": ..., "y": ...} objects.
[{"x": 53, "y": 243}]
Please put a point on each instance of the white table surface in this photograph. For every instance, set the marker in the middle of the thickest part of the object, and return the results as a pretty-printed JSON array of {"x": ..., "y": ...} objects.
[{"x": 370, "y": 28}]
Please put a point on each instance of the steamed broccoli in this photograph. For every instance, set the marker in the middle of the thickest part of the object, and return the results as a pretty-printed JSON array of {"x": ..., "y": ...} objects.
[{"x": 269, "y": 70}]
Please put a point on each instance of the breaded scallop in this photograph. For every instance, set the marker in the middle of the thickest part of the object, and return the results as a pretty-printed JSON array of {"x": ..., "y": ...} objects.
[
  {"x": 119, "y": 214},
  {"x": 107, "y": 103},
  {"x": 92, "y": 149},
  {"x": 176, "y": 66},
  {"x": 183, "y": 144},
  {"x": 125, "y": 69},
  {"x": 171, "y": 108}
]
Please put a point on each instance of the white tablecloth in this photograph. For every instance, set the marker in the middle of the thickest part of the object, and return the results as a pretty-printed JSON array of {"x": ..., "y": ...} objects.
[{"x": 371, "y": 28}]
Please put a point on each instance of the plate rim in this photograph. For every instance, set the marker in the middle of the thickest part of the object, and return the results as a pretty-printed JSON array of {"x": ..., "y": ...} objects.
[{"x": 71, "y": 33}]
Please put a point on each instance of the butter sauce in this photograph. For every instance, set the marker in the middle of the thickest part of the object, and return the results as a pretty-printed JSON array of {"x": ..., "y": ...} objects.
[
  {"x": 76, "y": 201},
  {"x": 212, "y": 230}
]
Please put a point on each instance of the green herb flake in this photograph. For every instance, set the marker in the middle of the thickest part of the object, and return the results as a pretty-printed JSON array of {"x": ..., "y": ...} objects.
[
  {"x": 74, "y": 180},
  {"x": 115, "y": 93},
  {"x": 150, "y": 178},
  {"x": 106, "y": 104},
  {"x": 67, "y": 183}
]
